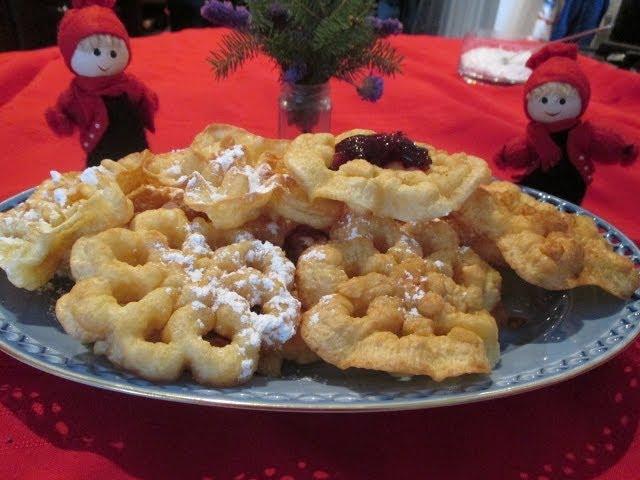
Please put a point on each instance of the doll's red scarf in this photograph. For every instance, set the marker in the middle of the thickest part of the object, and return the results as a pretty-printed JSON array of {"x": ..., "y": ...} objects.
[
  {"x": 82, "y": 104},
  {"x": 586, "y": 144},
  {"x": 539, "y": 138}
]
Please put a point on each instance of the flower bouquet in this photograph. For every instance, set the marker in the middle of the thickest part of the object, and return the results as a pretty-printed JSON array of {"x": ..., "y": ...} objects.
[{"x": 310, "y": 41}]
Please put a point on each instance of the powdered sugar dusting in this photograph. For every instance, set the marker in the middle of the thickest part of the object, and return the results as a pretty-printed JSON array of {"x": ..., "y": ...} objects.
[
  {"x": 277, "y": 330},
  {"x": 415, "y": 297},
  {"x": 89, "y": 176},
  {"x": 273, "y": 329},
  {"x": 242, "y": 236},
  {"x": 280, "y": 267},
  {"x": 55, "y": 176},
  {"x": 198, "y": 186},
  {"x": 173, "y": 170},
  {"x": 314, "y": 318},
  {"x": 353, "y": 234},
  {"x": 247, "y": 369},
  {"x": 326, "y": 298},
  {"x": 195, "y": 275},
  {"x": 31, "y": 216},
  {"x": 281, "y": 312},
  {"x": 196, "y": 243},
  {"x": 227, "y": 158},
  {"x": 358, "y": 226},
  {"x": 410, "y": 242},
  {"x": 251, "y": 337},
  {"x": 12, "y": 241},
  {"x": 198, "y": 305},
  {"x": 260, "y": 179},
  {"x": 273, "y": 228},
  {"x": 175, "y": 256},
  {"x": 313, "y": 255},
  {"x": 60, "y": 196},
  {"x": 195, "y": 177},
  {"x": 194, "y": 246}
]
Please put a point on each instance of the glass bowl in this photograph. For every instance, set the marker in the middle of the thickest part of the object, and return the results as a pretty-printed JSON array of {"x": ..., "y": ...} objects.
[{"x": 488, "y": 56}]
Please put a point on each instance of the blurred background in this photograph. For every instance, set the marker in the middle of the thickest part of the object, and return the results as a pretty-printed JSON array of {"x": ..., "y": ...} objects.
[{"x": 28, "y": 24}]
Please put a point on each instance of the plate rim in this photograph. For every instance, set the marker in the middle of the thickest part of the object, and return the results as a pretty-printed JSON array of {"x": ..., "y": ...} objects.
[{"x": 336, "y": 407}]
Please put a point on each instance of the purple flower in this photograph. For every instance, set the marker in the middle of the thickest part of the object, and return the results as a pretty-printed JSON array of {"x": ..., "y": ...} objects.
[
  {"x": 294, "y": 73},
  {"x": 386, "y": 27},
  {"x": 278, "y": 14},
  {"x": 371, "y": 88},
  {"x": 224, "y": 14}
]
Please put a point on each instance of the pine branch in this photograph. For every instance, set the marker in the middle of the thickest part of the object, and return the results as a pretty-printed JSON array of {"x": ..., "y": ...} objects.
[
  {"x": 304, "y": 14},
  {"x": 236, "y": 48},
  {"x": 344, "y": 20},
  {"x": 324, "y": 38},
  {"x": 384, "y": 58},
  {"x": 303, "y": 6}
]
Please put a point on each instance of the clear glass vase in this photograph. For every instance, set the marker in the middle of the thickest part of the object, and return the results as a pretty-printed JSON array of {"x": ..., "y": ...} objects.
[{"x": 304, "y": 109}]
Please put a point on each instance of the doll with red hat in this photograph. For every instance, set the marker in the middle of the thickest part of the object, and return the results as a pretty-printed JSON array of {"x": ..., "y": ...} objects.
[
  {"x": 110, "y": 108},
  {"x": 558, "y": 152}
]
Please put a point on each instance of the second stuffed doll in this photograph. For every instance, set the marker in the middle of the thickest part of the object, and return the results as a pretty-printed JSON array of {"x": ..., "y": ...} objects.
[{"x": 558, "y": 152}]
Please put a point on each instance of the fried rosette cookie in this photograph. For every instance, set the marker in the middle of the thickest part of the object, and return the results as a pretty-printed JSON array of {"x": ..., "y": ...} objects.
[
  {"x": 288, "y": 200},
  {"x": 408, "y": 195},
  {"x": 227, "y": 173},
  {"x": 37, "y": 235},
  {"x": 238, "y": 195},
  {"x": 217, "y": 137},
  {"x": 152, "y": 197},
  {"x": 292, "y": 202},
  {"x": 407, "y": 300},
  {"x": 172, "y": 169},
  {"x": 151, "y": 297},
  {"x": 128, "y": 171},
  {"x": 546, "y": 247}
]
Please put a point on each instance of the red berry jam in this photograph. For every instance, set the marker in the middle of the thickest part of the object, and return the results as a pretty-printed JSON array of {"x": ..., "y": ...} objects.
[{"x": 381, "y": 149}]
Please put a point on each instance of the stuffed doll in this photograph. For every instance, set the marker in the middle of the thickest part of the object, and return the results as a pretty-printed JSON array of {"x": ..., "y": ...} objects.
[
  {"x": 558, "y": 152},
  {"x": 110, "y": 108}
]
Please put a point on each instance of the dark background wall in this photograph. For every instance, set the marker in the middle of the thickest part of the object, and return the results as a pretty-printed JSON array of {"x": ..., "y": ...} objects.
[{"x": 27, "y": 24}]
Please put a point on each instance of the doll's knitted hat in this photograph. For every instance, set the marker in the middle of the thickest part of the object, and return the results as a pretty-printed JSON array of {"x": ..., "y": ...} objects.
[
  {"x": 86, "y": 18},
  {"x": 557, "y": 62}
]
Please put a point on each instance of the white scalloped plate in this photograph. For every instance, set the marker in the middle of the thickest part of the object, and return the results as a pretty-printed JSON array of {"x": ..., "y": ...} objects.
[{"x": 567, "y": 333}]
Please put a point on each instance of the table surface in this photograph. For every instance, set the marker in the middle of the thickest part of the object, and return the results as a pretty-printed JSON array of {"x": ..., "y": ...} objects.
[{"x": 585, "y": 428}]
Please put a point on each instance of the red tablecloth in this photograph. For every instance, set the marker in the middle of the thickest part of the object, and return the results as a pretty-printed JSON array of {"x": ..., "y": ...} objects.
[{"x": 54, "y": 429}]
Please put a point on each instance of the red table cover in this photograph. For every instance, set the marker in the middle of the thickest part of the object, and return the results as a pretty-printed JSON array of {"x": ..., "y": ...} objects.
[{"x": 50, "y": 428}]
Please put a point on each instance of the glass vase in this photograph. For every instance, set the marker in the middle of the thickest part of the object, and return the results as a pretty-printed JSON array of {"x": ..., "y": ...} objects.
[{"x": 303, "y": 109}]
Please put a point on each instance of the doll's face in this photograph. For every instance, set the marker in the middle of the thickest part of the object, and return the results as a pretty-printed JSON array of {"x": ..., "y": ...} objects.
[
  {"x": 100, "y": 56},
  {"x": 553, "y": 101}
]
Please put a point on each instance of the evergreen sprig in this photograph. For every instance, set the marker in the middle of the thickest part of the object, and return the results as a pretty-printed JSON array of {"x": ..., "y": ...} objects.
[
  {"x": 235, "y": 49},
  {"x": 310, "y": 40}
]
